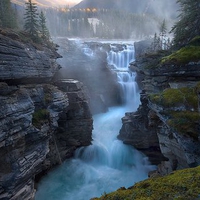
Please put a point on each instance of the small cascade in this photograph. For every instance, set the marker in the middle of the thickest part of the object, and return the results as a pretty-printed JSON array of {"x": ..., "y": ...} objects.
[
  {"x": 119, "y": 60},
  {"x": 120, "y": 57}
]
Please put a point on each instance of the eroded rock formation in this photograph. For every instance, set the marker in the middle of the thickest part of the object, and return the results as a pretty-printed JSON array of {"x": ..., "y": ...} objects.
[{"x": 41, "y": 124}]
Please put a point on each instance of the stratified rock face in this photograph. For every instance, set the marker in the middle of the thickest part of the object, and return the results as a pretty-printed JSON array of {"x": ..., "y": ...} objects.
[
  {"x": 155, "y": 122},
  {"x": 40, "y": 126},
  {"x": 76, "y": 124},
  {"x": 23, "y": 147},
  {"x": 181, "y": 148},
  {"x": 24, "y": 62},
  {"x": 139, "y": 130}
]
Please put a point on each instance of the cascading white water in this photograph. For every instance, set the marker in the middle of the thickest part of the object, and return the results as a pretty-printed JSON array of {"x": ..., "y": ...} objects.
[
  {"x": 120, "y": 60},
  {"x": 107, "y": 164}
]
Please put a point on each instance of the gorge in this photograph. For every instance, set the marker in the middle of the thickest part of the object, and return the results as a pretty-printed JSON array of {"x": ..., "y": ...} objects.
[
  {"x": 107, "y": 164},
  {"x": 46, "y": 115}
]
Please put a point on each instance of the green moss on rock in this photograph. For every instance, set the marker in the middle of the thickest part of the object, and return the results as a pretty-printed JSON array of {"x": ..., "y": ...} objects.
[
  {"x": 183, "y": 56},
  {"x": 154, "y": 59},
  {"x": 179, "y": 185},
  {"x": 176, "y": 97},
  {"x": 186, "y": 121}
]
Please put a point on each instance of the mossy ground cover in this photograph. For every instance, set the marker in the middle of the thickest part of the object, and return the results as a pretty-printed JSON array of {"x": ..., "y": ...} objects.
[
  {"x": 24, "y": 37},
  {"x": 183, "y": 56},
  {"x": 179, "y": 185},
  {"x": 176, "y": 97}
]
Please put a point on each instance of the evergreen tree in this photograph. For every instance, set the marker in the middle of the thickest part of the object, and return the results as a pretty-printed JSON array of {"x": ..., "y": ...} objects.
[
  {"x": 156, "y": 43},
  {"x": 163, "y": 29},
  {"x": 43, "y": 28},
  {"x": 188, "y": 25},
  {"x": 31, "y": 19},
  {"x": 7, "y": 15},
  {"x": 163, "y": 32}
]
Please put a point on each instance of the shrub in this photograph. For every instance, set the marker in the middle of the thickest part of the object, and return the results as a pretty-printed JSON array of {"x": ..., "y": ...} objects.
[{"x": 40, "y": 117}]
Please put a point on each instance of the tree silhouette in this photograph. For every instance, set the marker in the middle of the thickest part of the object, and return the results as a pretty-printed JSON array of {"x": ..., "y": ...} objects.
[
  {"x": 31, "y": 19},
  {"x": 163, "y": 32},
  {"x": 188, "y": 25},
  {"x": 43, "y": 28}
]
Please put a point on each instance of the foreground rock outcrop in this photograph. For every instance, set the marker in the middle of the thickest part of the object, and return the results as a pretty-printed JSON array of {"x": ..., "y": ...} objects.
[
  {"x": 42, "y": 123},
  {"x": 166, "y": 127}
]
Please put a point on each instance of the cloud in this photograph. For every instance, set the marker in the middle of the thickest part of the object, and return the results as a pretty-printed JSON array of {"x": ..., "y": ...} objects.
[{"x": 49, "y": 3}]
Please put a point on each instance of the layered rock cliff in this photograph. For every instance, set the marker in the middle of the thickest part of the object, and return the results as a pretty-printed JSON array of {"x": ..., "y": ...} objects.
[
  {"x": 166, "y": 126},
  {"x": 41, "y": 123},
  {"x": 23, "y": 61}
]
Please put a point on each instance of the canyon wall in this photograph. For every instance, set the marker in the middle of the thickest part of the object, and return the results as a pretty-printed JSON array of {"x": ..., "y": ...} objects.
[
  {"x": 167, "y": 124},
  {"x": 42, "y": 122}
]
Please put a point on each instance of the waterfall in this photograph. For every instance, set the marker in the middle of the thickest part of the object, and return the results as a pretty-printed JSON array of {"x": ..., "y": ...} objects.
[
  {"x": 107, "y": 164},
  {"x": 119, "y": 60}
]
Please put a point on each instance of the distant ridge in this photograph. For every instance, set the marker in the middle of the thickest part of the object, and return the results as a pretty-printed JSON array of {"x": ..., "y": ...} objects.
[
  {"x": 42, "y": 3},
  {"x": 162, "y": 7}
]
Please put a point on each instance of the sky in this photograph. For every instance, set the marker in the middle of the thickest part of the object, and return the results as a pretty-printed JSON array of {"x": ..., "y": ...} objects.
[
  {"x": 70, "y": 2},
  {"x": 52, "y": 3}
]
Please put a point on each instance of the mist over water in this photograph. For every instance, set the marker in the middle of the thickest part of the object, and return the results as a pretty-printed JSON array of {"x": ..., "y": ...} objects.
[{"x": 107, "y": 164}]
